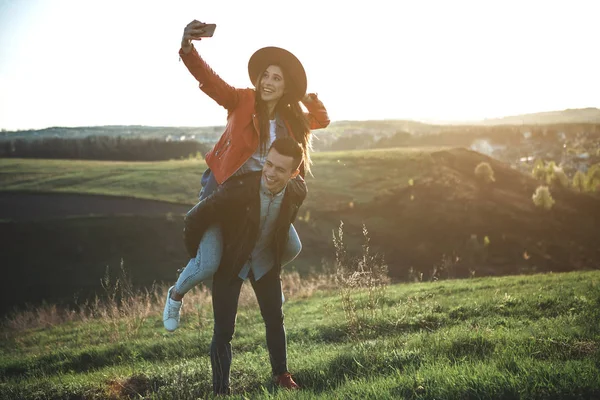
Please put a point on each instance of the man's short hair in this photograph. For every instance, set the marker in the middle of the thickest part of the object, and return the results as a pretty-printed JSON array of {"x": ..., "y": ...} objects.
[{"x": 288, "y": 146}]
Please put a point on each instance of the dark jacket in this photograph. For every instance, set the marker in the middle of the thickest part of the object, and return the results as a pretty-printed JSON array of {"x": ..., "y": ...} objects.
[{"x": 236, "y": 206}]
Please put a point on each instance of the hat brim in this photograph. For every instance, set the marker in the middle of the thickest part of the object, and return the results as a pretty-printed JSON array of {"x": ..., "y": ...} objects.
[{"x": 295, "y": 76}]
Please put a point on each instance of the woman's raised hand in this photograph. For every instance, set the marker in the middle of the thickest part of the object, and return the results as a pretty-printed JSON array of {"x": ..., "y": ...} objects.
[
  {"x": 192, "y": 31},
  {"x": 308, "y": 98}
]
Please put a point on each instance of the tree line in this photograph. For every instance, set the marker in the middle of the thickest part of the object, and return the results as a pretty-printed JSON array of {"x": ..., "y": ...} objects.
[{"x": 106, "y": 148}]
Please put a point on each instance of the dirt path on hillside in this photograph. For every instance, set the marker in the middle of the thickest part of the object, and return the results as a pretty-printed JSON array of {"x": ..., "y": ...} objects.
[{"x": 27, "y": 206}]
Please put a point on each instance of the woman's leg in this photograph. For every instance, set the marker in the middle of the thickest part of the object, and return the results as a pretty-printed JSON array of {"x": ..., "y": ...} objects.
[
  {"x": 209, "y": 184},
  {"x": 291, "y": 251},
  {"x": 205, "y": 264},
  {"x": 197, "y": 270},
  {"x": 209, "y": 252},
  {"x": 292, "y": 248},
  {"x": 201, "y": 268}
]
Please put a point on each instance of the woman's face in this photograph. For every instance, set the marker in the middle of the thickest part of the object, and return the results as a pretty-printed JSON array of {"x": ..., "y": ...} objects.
[{"x": 272, "y": 84}]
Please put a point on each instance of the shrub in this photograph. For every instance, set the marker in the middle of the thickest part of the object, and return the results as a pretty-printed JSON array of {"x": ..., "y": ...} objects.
[
  {"x": 484, "y": 172},
  {"x": 579, "y": 183},
  {"x": 542, "y": 198},
  {"x": 539, "y": 171},
  {"x": 593, "y": 178},
  {"x": 359, "y": 274},
  {"x": 558, "y": 177},
  {"x": 549, "y": 174}
]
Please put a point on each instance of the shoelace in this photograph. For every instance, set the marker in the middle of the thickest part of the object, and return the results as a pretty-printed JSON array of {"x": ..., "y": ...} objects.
[{"x": 172, "y": 310}]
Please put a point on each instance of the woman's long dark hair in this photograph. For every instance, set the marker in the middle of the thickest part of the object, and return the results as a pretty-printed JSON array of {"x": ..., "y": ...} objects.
[{"x": 292, "y": 113}]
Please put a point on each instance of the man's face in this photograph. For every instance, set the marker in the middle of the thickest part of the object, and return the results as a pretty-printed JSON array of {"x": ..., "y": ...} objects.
[{"x": 278, "y": 170}]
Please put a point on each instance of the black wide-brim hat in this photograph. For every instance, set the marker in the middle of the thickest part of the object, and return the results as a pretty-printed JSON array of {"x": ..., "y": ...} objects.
[{"x": 295, "y": 76}]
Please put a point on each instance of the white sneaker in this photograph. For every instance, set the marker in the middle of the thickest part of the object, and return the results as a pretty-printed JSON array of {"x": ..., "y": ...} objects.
[{"x": 171, "y": 312}]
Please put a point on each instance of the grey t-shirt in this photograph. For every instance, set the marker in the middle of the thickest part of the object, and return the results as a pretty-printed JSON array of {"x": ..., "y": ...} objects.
[{"x": 262, "y": 258}]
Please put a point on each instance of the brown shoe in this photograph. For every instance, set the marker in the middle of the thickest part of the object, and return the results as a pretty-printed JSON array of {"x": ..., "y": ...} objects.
[{"x": 285, "y": 381}]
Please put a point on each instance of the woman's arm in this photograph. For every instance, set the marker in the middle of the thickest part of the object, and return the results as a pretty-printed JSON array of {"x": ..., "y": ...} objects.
[
  {"x": 210, "y": 83},
  {"x": 317, "y": 113}
]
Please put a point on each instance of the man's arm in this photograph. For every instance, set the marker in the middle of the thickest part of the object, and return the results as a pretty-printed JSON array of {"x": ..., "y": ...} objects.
[{"x": 226, "y": 197}]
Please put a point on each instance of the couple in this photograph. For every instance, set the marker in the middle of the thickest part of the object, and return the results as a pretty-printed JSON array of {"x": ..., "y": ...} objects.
[{"x": 242, "y": 227}]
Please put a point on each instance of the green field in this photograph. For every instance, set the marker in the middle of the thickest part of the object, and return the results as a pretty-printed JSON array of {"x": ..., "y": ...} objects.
[
  {"x": 338, "y": 176},
  {"x": 176, "y": 181},
  {"x": 520, "y": 337}
]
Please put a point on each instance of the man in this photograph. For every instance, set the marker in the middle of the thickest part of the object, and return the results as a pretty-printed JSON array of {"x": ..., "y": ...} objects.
[{"x": 255, "y": 211}]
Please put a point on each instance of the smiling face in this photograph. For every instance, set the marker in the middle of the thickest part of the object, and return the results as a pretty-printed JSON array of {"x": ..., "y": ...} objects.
[
  {"x": 278, "y": 170},
  {"x": 272, "y": 84}
]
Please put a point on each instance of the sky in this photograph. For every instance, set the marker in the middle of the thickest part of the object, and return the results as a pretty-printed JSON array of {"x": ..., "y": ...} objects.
[{"x": 116, "y": 62}]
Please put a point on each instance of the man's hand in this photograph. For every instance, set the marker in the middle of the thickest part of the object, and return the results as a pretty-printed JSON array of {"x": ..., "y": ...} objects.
[{"x": 192, "y": 31}]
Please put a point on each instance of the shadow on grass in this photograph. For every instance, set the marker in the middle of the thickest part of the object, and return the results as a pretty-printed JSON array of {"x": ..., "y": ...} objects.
[
  {"x": 367, "y": 328},
  {"x": 96, "y": 358},
  {"x": 364, "y": 363}
]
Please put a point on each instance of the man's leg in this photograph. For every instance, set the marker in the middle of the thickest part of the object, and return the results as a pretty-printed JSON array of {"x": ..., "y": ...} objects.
[
  {"x": 225, "y": 295},
  {"x": 268, "y": 294}
]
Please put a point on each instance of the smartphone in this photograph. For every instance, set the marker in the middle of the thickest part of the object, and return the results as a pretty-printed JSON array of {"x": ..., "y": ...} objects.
[{"x": 209, "y": 30}]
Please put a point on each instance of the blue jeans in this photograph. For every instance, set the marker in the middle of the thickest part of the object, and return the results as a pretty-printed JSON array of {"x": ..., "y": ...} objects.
[{"x": 208, "y": 183}]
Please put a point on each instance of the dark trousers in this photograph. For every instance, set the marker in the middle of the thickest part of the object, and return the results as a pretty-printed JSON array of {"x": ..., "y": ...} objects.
[{"x": 225, "y": 295}]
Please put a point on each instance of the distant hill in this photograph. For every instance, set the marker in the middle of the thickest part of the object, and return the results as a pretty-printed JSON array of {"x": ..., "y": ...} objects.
[
  {"x": 575, "y": 115},
  {"x": 386, "y": 126},
  {"x": 376, "y": 128},
  {"x": 569, "y": 116},
  {"x": 204, "y": 134}
]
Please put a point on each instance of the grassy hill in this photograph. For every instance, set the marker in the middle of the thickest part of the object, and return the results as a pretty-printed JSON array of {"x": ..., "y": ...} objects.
[
  {"x": 418, "y": 204},
  {"x": 424, "y": 210},
  {"x": 519, "y": 337},
  {"x": 176, "y": 181},
  {"x": 427, "y": 205}
]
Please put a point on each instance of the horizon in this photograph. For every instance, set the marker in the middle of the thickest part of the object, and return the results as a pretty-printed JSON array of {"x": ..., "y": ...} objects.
[
  {"x": 426, "y": 122},
  {"x": 443, "y": 64},
  {"x": 431, "y": 122}
]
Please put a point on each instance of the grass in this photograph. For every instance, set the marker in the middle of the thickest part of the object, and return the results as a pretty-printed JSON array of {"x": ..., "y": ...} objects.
[
  {"x": 530, "y": 337},
  {"x": 175, "y": 181},
  {"x": 339, "y": 177}
]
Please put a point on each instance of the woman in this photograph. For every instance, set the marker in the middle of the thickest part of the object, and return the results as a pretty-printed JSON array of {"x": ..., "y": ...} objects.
[{"x": 255, "y": 118}]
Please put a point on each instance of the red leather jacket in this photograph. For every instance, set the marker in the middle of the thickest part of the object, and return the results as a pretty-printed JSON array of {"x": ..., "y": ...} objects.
[{"x": 241, "y": 137}]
